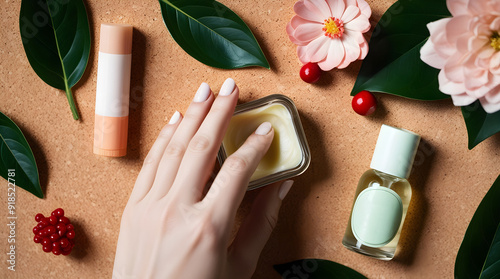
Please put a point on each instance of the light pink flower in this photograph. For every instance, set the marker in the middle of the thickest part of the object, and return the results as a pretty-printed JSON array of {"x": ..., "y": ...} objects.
[
  {"x": 330, "y": 32},
  {"x": 466, "y": 47}
]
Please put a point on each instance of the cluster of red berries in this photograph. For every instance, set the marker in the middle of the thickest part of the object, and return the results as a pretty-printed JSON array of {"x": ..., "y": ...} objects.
[{"x": 55, "y": 233}]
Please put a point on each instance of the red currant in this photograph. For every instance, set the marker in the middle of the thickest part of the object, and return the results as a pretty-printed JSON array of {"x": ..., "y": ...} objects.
[
  {"x": 47, "y": 248},
  {"x": 35, "y": 229},
  {"x": 70, "y": 227},
  {"x": 44, "y": 233},
  {"x": 51, "y": 230},
  {"x": 310, "y": 72},
  {"x": 56, "y": 252},
  {"x": 54, "y": 237},
  {"x": 66, "y": 252},
  {"x": 53, "y": 220},
  {"x": 39, "y": 217},
  {"x": 42, "y": 224},
  {"x": 37, "y": 239},
  {"x": 364, "y": 103},
  {"x": 58, "y": 212},
  {"x": 61, "y": 230},
  {"x": 46, "y": 241},
  {"x": 64, "y": 220},
  {"x": 56, "y": 245},
  {"x": 64, "y": 242},
  {"x": 70, "y": 234}
]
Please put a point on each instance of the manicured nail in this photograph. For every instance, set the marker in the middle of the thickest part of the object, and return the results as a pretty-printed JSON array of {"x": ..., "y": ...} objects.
[
  {"x": 264, "y": 129},
  {"x": 175, "y": 117},
  {"x": 227, "y": 88},
  {"x": 285, "y": 188},
  {"x": 202, "y": 93}
]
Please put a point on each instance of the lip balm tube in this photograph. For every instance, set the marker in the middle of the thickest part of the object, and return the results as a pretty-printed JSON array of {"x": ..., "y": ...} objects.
[{"x": 113, "y": 90}]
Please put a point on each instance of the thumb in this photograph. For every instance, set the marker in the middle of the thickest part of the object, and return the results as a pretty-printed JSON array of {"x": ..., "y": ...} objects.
[{"x": 257, "y": 227}]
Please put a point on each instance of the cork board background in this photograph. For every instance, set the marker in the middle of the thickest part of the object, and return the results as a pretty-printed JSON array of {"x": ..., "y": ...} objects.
[{"x": 448, "y": 180}]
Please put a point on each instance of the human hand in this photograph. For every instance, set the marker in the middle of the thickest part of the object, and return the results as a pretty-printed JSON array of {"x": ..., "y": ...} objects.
[{"x": 170, "y": 228}]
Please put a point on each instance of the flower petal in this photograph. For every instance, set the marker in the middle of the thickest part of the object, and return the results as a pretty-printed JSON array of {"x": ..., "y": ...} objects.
[
  {"x": 350, "y": 13},
  {"x": 318, "y": 49},
  {"x": 430, "y": 57},
  {"x": 492, "y": 97},
  {"x": 495, "y": 64},
  {"x": 364, "y": 8},
  {"x": 360, "y": 24},
  {"x": 456, "y": 27},
  {"x": 337, "y": 7},
  {"x": 495, "y": 24},
  {"x": 454, "y": 69},
  {"x": 490, "y": 107},
  {"x": 296, "y": 21},
  {"x": 457, "y": 7},
  {"x": 302, "y": 54},
  {"x": 308, "y": 32},
  {"x": 352, "y": 49},
  {"x": 320, "y": 6},
  {"x": 461, "y": 100},
  {"x": 364, "y": 50},
  {"x": 290, "y": 31},
  {"x": 304, "y": 12},
  {"x": 449, "y": 87},
  {"x": 336, "y": 54}
]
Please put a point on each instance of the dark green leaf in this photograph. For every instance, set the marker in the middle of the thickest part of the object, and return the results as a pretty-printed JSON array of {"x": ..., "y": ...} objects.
[
  {"x": 56, "y": 39},
  {"x": 480, "y": 124},
  {"x": 316, "y": 269},
  {"x": 16, "y": 154},
  {"x": 479, "y": 254},
  {"x": 393, "y": 62},
  {"x": 212, "y": 34}
]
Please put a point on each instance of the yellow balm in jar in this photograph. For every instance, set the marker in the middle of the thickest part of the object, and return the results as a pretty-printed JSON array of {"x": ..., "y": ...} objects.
[{"x": 288, "y": 155}]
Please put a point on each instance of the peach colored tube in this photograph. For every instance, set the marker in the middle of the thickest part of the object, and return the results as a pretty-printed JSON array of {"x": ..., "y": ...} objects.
[{"x": 110, "y": 135}]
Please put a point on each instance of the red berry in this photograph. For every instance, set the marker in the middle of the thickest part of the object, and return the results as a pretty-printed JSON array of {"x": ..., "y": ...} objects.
[
  {"x": 310, "y": 72},
  {"x": 42, "y": 224},
  {"x": 47, "y": 248},
  {"x": 44, "y": 232},
  {"x": 35, "y": 229},
  {"x": 39, "y": 217},
  {"x": 54, "y": 237},
  {"x": 56, "y": 245},
  {"x": 67, "y": 252},
  {"x": 70, "y": 234},
  {"x": 64, "y": 242},
  {"x": 53, "y": 220},
  {"x": 364, "y": 103},
  {"x": 70, "y": 227},
  {"x": 61, "y": 229},
  {"x": 46, "y": 241},
  {"x": 51, "y": 230},
  {"x": 58, "y": 212},
  {"x": 40, "y": 233},
  {"x": 56, "y": 252},
  {"x": 64, "y": 220},
  {"x": 37, "y": 239}
]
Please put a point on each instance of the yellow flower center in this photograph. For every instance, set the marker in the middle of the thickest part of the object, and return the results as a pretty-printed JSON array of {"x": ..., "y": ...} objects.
[
  {"x": 495, "y": 41},
  {"x": 334, "y": 27}
]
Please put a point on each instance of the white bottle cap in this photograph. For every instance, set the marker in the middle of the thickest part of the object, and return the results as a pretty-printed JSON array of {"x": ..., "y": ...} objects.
[{"x": 395, "y": 151}]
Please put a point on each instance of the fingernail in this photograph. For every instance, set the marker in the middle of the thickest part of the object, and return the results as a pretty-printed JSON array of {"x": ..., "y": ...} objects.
[
  {"x": 227, "y": 88},
  {"x": 285, "y": 188},
  {"x": 202, "y": 93},
  {"x": 264, "y": 129},
  {"x": 175, "y": 117}
]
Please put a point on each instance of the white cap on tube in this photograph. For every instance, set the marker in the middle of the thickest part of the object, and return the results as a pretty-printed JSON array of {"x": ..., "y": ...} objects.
[{"x": 395, "y": 151}]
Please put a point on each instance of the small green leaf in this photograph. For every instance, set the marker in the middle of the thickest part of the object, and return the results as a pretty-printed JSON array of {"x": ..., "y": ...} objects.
[
  {"x": 16, "y": 154},
  {"x": 479, "y": 254},
  {"x": 316, "y": 269},
  {"x": 212, "y": 34},
  {"x": 480, "y": 124},
  {"x": 393, "y": 62},
  {"x": 56, "y": 39}
]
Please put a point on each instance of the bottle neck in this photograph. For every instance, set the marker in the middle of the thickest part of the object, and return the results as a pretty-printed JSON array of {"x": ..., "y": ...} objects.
[{"x": 387, "y": 179}]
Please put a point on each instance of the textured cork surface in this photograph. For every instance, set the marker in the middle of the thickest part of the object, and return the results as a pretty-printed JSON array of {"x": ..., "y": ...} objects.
[{"x": 448, "y": 180}]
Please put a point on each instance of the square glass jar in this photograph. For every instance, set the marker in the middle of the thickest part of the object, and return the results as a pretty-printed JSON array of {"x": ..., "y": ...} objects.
[{"x": 289, "y": 154}]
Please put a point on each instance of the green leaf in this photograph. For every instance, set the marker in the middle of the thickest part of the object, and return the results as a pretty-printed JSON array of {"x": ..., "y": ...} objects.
[
  {"x": 316, "y": 269},
  {"x": 393, "y": 62},
  {"x": 56, "y": 39},
  {"x": 480, "y": 124},
  {"x": 212, "y": 34},
  {"x": 479, "y": 254},
  {"x": 16, "y": 154}
]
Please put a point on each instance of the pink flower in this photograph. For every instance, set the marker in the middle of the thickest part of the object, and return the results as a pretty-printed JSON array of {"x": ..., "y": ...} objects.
[
  {"x": 466, "y": 47},
  {"x": 330, "y": 32}
]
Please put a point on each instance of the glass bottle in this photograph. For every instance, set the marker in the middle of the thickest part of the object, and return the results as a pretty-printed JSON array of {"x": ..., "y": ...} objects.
[{"x": 383, "y": 196}]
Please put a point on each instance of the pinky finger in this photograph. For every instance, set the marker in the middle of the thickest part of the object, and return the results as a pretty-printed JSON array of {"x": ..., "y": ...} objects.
[{"x": 147, "y": 174}]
